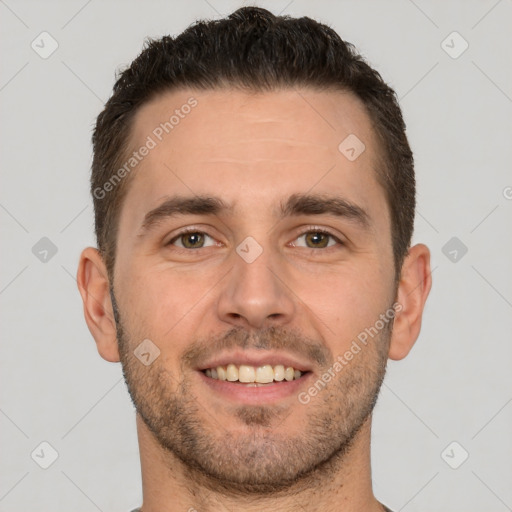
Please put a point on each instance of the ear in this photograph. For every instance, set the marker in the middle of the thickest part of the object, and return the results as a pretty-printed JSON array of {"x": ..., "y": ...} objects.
[
  {"x": 93, "y": 283},
  {"x": 413, "y": 289}
]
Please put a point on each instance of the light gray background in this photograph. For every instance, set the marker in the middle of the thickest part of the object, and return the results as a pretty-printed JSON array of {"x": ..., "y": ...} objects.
[{"x": 456, "y": 383}]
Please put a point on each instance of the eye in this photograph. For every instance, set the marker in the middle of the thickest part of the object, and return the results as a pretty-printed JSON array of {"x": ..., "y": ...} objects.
[
  {"x": 314, "y": 238},
  {"x": 190, "y": 239},
  {"x": 318, "y": 239}
]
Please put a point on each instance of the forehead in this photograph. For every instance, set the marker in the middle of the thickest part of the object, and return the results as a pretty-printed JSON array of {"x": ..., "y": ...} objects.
[
  {"x": 252, "y": 147},
  {"x": 228, "y": 121}
]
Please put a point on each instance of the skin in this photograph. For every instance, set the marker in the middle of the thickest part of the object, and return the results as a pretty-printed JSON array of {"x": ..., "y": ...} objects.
[{"x": 199, "y": 449}]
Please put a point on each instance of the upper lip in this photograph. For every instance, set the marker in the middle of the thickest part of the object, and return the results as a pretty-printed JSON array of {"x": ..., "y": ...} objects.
[{"x": 256, "y": 358}]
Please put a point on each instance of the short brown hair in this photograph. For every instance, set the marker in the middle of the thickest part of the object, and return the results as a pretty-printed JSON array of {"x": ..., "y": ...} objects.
[{"x": 254, "y": 50}]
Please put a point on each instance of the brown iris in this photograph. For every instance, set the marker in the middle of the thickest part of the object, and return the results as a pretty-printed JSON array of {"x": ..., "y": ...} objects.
[{"x": 318, "y": 238}]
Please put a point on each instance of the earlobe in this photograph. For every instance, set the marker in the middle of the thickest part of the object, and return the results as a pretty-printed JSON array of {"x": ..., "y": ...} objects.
[
  {"x": 94, "y": 287},
  {"x": 413, "y": 289}
]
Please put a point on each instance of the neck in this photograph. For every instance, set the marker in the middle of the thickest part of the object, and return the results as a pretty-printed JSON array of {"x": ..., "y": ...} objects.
[{"x": 341, "y": 484}]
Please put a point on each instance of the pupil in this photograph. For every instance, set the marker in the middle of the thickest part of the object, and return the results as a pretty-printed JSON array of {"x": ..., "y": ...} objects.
[
  {"x": 318, "y": 238},
  {"x": 190, "y": 238}
]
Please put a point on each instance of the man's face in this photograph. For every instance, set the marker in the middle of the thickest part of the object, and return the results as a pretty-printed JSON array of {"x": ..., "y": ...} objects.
[{"x": 257, "y": 284}]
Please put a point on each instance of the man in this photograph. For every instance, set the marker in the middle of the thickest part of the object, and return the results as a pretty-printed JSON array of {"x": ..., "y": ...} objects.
[{"x": 254, "y": 197}]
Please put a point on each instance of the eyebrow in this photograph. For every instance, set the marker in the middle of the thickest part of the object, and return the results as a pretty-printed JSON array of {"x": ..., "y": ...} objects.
[
  {"x": 321, "y": 204},
  {"x": 295, "y": 205}
]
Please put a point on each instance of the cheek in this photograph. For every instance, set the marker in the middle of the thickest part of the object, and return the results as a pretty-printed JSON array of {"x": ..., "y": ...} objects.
[
  {"x": 346, "y": 302},
  {"x": 163, "y": 305}
]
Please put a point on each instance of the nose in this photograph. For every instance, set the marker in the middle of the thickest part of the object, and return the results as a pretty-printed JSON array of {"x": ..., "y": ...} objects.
[{"x": 256, "y": 295}]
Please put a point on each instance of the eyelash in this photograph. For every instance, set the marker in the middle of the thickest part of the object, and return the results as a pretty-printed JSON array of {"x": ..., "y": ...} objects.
[{"x": 310, "y": 229}]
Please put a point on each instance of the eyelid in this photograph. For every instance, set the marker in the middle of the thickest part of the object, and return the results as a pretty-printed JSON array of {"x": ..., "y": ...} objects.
[
  {"x": 320, "y": 229},
  {"x": 184, "y": 231}
]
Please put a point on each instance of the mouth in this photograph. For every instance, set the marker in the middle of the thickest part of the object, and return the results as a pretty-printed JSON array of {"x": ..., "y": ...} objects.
[{"x": 254, "y": 376}]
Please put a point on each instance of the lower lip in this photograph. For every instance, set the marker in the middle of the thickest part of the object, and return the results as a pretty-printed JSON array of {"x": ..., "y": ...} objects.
[{"x": 255, "y": 395}]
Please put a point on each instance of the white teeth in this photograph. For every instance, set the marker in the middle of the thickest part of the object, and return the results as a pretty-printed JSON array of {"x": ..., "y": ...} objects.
[
  {"x": 221, "y": 373},
  {"x": 250, "y": 374},
  {"x": 279, "y": 372},
  {"x": 231, "y": 373},
  {"x": 246, "y": 373},
  {"x": 264, "y": 374}
]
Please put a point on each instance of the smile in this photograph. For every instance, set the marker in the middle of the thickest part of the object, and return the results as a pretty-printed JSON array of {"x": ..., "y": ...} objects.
[{"x": 247, "y": 374}]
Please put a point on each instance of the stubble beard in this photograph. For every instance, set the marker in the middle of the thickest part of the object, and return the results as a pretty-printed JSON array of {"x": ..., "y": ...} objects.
[{"x": 260, "y": 458}]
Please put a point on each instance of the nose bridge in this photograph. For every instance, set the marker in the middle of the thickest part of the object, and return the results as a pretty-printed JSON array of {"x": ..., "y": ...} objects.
[{"x": 255, "y": 293}]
